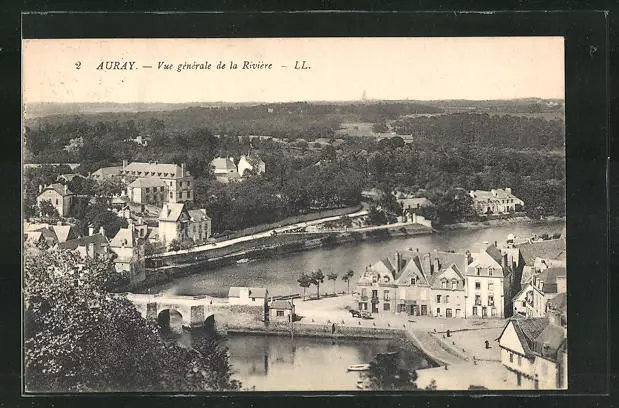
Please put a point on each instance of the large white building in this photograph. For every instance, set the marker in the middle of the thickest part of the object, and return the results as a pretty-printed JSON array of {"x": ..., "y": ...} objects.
[
  {"x": 178, "y": 183},
  {"x": 496, "y": 201},
  {"x": 176, "y": 222}
]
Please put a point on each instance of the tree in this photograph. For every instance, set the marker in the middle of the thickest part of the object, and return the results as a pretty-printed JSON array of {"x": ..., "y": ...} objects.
[
  {"x": 317, "y": 278},
  {"x": 332, "y": 276},
  {"x": 47, "y": 209},
  {"x": 174, "y": 245},
  {"x": 347, "y": 277},
  {"x": 78, "y": 336},
  {"x": 305, "y": 282},
  {"x": 387, "y": 373},
  {"x": 380, "y": 127}
]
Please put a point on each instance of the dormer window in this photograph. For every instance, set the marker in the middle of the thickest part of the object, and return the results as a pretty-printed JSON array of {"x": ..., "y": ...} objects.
[
  {"x": 413, "y": 281},
  {"x": 478, "y": 271},
  {"x": 454, "y": 284},
  {"x": 444, "y": 284}
]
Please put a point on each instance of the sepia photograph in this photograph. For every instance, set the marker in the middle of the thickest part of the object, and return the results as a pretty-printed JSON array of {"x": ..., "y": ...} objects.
[{"x": 294, "y": 214}]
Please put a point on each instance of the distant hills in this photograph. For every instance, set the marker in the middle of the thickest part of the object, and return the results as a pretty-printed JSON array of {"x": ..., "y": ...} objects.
[{"x": 42, "y": 109}]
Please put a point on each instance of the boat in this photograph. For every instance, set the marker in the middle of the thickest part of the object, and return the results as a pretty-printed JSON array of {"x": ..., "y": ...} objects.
[
  {"x": 242, "y": 261},
  {"x": 358, "y": 367},
  {"x": 363, "y": 385}
]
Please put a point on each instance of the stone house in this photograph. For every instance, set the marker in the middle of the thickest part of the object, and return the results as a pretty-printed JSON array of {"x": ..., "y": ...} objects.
[
  {"x": 176, "y": 222},
  {"x": 496, "y": 201},
  {"x": 281, "y": 310},
  {"x": 89, "y": 246},
  {"x": 252, "y": 163},
  {"x": 148, "y": 190},
  {"x": 60, "y": 197},
  {"x": 534, "y": 350},
  {"x": 178, "y": 182},
  {"x": 484, "y": 286},
  {"x": 130, "y": 254}
]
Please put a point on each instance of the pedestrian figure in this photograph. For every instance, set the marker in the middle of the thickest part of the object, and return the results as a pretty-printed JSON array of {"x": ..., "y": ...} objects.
[
  {"x": 448, "y": 333},
  {"x": 333, "y": 329},
  {"x": 445, "y": 367},
  {"x": 487, "y": 344}
]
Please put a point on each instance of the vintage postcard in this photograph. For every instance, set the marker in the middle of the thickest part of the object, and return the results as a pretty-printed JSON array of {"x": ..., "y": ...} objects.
[{"x": 294, "y": 214}]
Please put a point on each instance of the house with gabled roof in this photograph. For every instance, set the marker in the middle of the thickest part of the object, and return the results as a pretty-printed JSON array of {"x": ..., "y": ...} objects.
[
  {"x": 148, "y": 190},
  {"x": 484, "y": 285},
  {"x": 534, "y": 350},
  {"x": 448, "y": 292},
  {"x": 129, "y": 254},
  {"x": 496, "y": 201},
  {"x": 251, "y": 163},
  {"x": 176, "y": 222},
  {"x": 93, "y": 245},
  {"x": 225, "y": 170},
  {"x": 58, "y": 195},
  {"x": 538, "y": 255},
  {"x": 178, "y": 182}
]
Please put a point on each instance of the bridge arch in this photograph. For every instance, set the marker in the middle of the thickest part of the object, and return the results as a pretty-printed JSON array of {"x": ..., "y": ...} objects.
[{"x": 170, "y": 319}]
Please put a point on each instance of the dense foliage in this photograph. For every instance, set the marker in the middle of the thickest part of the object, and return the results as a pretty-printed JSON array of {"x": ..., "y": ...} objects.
[
  {"x": 84, "y": 338},
  {"x": 436, "y": 153}
]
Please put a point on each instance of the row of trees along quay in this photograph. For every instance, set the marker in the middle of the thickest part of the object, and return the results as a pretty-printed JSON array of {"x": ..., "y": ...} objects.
[{"x": 317, "y": 277}]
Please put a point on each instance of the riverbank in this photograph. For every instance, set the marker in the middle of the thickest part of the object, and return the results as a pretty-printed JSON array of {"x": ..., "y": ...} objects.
[
  {"x": 447, "y": 358},
  {"x": 473, "y": 225}
]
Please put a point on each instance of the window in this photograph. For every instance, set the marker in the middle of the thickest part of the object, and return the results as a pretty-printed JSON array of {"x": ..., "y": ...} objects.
[
  {"x": 524, "y": 303},
  {"x": 189, "y": 184},
  {"x": 280, "y": 313},
  {"x": 490, "y": 286},
  {"x": 253, "y": 299},
  {"x": 490, "y": 300},
  {"x": 181, "y": 184},
  {"x": 477, "y": 300},
  {"x": 438, "y": 298},
  {"x": 189, "y": 194},
  {"x": 386, "y": 295},
  {"x": 147, "y": 189},
  {"x": 444, "y": 284},
  {"x": 477, "y": 285},
  {"x": 511, "y": 357},
  {"x": 454, "y": 284},
  {"x": 446, "y": 298},
  {"x": 478, "y": 270},
  {"x": 364, "y": 292},
  {"x": 386, "y": 306},
  {"x": 171, "y": 194},
  {"x": 519, "y": 360},
  {"x": 56, "y": 201},
  {"x": 412, "y": 281},
  {"x": 438, "y": 311},
  {"x": 475, "y": 311},
  {"x": 490, "y": 270}
]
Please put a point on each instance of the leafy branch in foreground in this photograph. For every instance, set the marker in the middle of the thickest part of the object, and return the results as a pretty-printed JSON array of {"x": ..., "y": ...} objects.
[{"x": 85, "y": 338}]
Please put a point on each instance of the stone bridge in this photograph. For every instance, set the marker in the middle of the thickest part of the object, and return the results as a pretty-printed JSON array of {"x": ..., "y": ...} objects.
[{"x": 175, "y": 311}]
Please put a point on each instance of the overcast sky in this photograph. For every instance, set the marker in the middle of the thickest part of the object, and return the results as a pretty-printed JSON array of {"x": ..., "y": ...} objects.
[{"x": 341, "y": 69}]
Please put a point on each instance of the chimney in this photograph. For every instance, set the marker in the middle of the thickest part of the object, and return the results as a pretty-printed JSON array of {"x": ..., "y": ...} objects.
[
  {"x": 469, "y": 258},
  {"x": 124, "y": 163},
  {"x": 40, "y": 188},
  {"x": 437, "y": 264},
  {"x": 182, "y": 169},
  {"x": 65, "y": 189},
  {"x": 398, "y": 262},
  {"x": 91, "y": 230},
  {"x": 101, "y": 230},
  {"x": 427, "y": 263},
  {"x": 504, "y": 261}
]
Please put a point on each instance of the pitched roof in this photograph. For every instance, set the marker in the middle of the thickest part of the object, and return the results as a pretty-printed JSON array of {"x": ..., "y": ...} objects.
[
  {"x": 223, "y": 163},
  {"x": 171, "y": 211},
  {"x": 107, "y": 171},
  {"x": 97, "y": 239},
  {"x": 558, "y": 302},
  {"x": 69, "y": 176},
  {"x": 49, "y": 234},
  {"x": 33, "y": 236},
  {"x": 413, "y": 202},
  {"x": 198, "y": 215},
  {"x": 549, "y": 340},
  {"x": 124, "y": 237},
  {"x": 62, "y": 232},
  {"x": 549, "y": 277},
  {"x": 144, "y": 182},
  {"x": 482, "y": 262},
  {"x": 154, "y": 169},
  {"x": 528, "y": 330},
  {"x": 548, "y": 249},
  {"x": 281, "y": 304},
  {"x": 59, "y": 188},
  {"x": 436, "y": 280},
  {"x": 485, "y": 195}
]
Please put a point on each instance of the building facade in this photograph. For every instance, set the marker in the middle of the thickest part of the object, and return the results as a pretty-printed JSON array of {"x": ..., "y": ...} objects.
[
  {"x": 534, "y": 350},
  {"x": 496, "y": 201},
  {"x": 176, "y": 222},
  {"x": 178, "y": 182},
  {"x": 148, "y": 190},
  {"x": 129, "y": 254},
  {"x": 59, "y": 196}
]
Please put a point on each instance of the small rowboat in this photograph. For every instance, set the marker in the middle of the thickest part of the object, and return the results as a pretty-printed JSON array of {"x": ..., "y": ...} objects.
[{"x": 358, "y": 367}]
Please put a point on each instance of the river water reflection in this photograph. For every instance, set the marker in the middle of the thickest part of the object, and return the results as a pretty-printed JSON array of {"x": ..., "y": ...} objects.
[
  {"x": 280, "y": 363},
  {"x": 279, "y": 275}
]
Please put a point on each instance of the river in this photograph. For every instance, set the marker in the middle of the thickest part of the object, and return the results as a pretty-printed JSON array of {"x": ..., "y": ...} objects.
[
  {"x": 279, "y": 275},
  {"x": 279, "y": 363}
]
